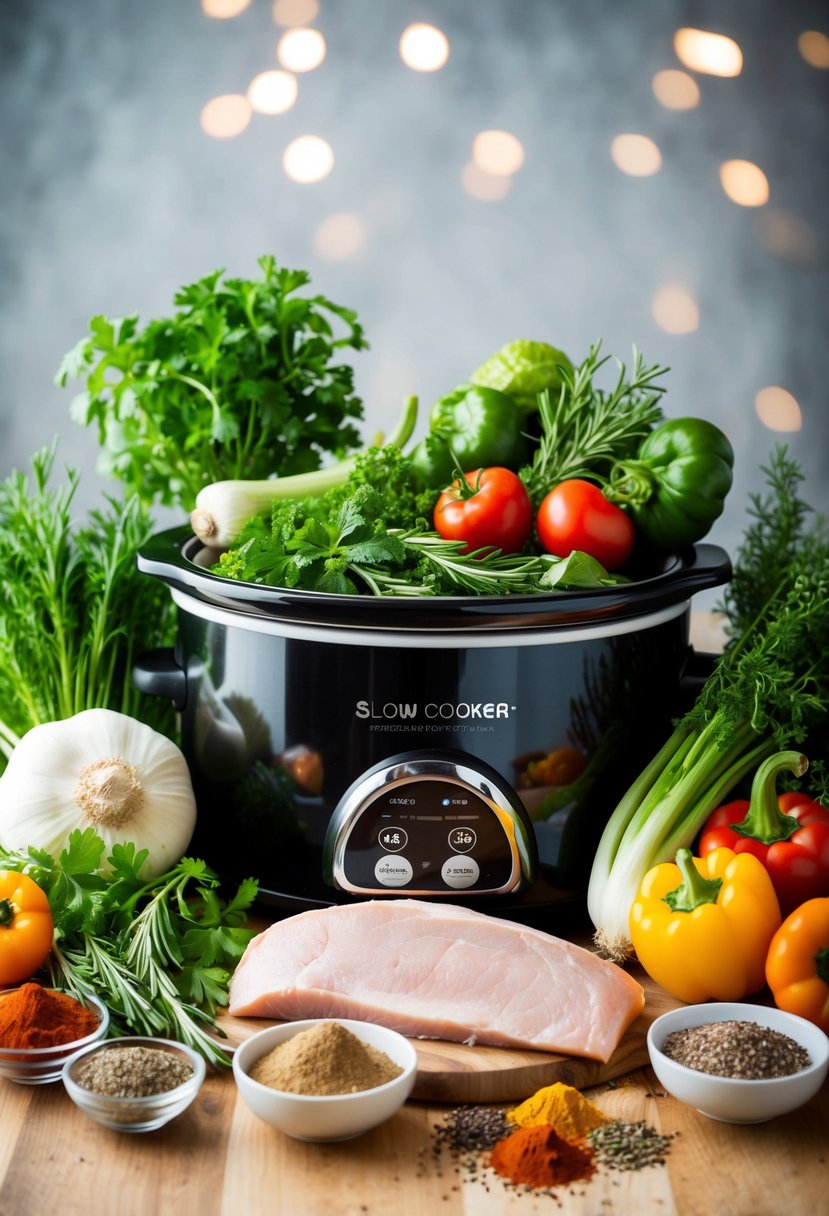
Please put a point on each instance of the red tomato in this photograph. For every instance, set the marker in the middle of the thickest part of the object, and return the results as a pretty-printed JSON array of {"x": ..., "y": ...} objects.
[
  {"x": 576, "y": 515},
  {"x": 492, "y": 510}
]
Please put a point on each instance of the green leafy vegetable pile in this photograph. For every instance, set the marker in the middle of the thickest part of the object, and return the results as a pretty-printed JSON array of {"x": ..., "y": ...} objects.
[
  {"x": 159, "y": 954},
  {"x": 74, "y": 609},
  {"x": 371, "y": 535},
  {"x": 242, "y": 381}
]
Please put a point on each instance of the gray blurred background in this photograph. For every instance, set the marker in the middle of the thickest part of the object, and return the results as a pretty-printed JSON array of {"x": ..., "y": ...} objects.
[{"x": 113, "y": 195}]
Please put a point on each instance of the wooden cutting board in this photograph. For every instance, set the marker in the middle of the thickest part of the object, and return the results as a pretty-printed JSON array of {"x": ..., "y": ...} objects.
[{"x": 456, "y": 1073}]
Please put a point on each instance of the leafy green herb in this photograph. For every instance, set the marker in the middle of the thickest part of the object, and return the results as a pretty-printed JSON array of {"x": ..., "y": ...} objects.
[
  {"x": 371, "y": 535},
  {"x": 159, "y": 954},
  {"x": 586, "y": 429},
  {"x": 74, "y": 606},
  {"x": 243, "y": 381},
  {"x": 523, "y": 369},
  {"x": 768, "y": 692}
]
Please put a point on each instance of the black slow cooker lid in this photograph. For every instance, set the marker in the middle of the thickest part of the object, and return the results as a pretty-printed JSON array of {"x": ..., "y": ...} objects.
[{"x": 180, "y": 559}]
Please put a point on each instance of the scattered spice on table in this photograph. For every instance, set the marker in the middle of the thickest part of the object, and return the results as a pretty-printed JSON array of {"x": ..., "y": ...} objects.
[
  {"x": 538, "y": 1157},
  {"x": 736, "y": 1048},
  {"x": 629, "y": 1146},
  {"x": 132, "y": 1071},
  {"x": 326, "y": 1059},
  {"x": 562, "y": 1107},
  {"x": 34, "y": 1016},
  {"x": 555, "y": 1138}
]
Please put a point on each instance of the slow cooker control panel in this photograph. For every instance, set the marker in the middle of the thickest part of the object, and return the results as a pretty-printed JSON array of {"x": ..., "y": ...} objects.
[{"x": 430, "y": 823}]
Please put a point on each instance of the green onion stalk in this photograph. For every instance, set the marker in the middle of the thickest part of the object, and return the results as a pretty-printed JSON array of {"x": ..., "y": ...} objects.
[{"x": 768, "y": 692}]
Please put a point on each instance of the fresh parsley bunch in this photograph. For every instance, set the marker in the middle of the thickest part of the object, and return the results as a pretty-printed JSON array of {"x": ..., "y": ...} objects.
[
  {"x": 159, "y": 954},
  {"x": 243, "y": 381}
]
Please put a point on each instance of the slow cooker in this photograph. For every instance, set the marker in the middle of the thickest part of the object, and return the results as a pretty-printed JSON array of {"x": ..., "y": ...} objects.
[{"x": 471, "y": 748}]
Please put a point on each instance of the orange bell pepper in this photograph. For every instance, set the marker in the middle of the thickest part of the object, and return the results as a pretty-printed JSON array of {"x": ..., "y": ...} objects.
[
  {"x": 26, "y": 928},
  {"x": 797, "y": 966},
  {"x": 701, "y": 927}
]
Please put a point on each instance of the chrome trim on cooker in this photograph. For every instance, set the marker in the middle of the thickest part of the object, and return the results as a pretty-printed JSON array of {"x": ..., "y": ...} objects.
[
  {"x": 424, "y": 638},
  {"x": 400, "y": 772}
]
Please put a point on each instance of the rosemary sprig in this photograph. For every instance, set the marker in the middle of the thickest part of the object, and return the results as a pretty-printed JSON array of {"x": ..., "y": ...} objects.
[
  {"x": 480, "y": 572},
  {"x": 587, "y": 428}
]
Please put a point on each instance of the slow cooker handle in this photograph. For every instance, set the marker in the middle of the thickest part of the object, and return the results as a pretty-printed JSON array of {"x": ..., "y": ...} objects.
[{"x": 157, "y": 673}]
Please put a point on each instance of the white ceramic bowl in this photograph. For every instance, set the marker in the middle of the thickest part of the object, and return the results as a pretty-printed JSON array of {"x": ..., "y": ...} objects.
[
  {"x": 40, "y": 1065},
  {"x": 326, "y": 1117},
  {"x": 730, "y": 1099},
  {"x": 143, "y": 1114}
]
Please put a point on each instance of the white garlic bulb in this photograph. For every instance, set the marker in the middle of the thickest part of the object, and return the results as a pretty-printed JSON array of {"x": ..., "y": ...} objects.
[{"x": 104, "y": 770}]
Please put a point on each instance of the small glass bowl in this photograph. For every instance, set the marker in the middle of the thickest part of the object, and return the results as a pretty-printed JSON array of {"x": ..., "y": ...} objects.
[
  {"x": 41, "y": 1065},
  {"x": 143, "y": 1114}
]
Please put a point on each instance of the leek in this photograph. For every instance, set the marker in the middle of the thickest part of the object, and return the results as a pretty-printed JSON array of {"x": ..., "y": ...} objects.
[
  {"x": 769, "y": 691},
  {"x": 223, "y": 507}
]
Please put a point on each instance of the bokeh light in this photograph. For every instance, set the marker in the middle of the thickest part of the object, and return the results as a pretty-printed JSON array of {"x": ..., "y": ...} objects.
[
  {"x": 424, "y": 48},
  {"x": 339, "y": 236},
  {"x": 745, "y": 183},
  {"x": 498, "y": 153},
  {"x": 785, "y": 235},
  {"x": 778, "y": 409},
  {"x": 295, "y": 12},
  {"x": 814, "y": 47},
  {"x": 223, "y": 10},
  {"x": 225, "y": 116},
  {"x": 636, "y": 154},
  {"x": 301, "y": 50},
  {"x": 702, "y": 51},
  {"x": 675, "y": 310},
  {"x": 487, "y": 187},
  {"x": 272, "y": 92},
  {"x": 308, "y": 158},
  {"x": 675, "y": 90}
]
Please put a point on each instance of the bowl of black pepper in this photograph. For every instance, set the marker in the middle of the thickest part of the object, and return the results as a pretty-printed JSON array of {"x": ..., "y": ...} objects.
[
  {"x": 134, "y": 1084},
  {"x": 738, "y": 1062}
]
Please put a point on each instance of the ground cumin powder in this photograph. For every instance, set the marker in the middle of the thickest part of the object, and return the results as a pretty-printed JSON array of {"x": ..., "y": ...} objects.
[
  {"x": 561, "y": 1107},
  {"x": 327, "y": 1059}
]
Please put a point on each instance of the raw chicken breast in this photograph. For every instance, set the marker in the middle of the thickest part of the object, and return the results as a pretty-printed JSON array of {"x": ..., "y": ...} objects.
[{"x": 437, "y": 971}]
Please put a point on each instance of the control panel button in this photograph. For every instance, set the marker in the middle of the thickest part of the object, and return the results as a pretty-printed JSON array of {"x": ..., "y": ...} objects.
[
  {"x": 392, "y": 839},
  {"x": 393, "y": 871},
  {"x": 462, "y": 839},
  {"x": 460, "y": 872}
]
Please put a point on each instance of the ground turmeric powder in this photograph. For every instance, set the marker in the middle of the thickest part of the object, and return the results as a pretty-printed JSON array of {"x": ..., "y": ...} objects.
[{"x": 561, "y": 1107}]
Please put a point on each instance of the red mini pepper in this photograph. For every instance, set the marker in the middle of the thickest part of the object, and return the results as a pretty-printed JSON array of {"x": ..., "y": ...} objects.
[{"x": 789, "y": 833}]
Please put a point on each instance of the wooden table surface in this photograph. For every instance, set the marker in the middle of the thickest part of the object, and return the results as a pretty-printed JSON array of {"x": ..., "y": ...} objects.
[{"x": 218, "y": 1159}]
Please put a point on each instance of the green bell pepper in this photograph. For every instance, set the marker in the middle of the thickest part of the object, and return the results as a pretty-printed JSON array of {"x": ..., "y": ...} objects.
[
  {"x": 470, "y": 428},
  {"x": 676, "y": 486}
]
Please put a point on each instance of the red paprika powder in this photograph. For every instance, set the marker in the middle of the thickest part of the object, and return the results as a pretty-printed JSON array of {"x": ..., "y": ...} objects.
[
  {"x": 538, "y": 1157},
  {"x": 33, "y": 1016}
]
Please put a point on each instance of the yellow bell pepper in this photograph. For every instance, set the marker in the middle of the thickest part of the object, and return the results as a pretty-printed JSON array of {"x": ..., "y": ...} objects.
[{"x": 701, "y": 927}]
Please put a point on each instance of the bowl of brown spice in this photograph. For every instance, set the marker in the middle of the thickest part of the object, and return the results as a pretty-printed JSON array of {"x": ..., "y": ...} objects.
[
  {"x": 737, "y": 1062},
  {"x": 134, "y": 1084},
  {"x": 325, "y": 1079}
]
